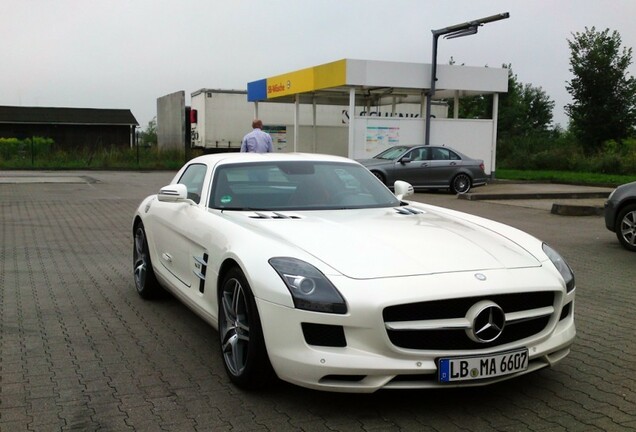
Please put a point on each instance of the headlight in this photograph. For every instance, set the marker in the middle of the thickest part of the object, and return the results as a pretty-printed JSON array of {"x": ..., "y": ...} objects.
[
  {"x": 561, "y": 265},
  {"x": 310, "y": 289}
]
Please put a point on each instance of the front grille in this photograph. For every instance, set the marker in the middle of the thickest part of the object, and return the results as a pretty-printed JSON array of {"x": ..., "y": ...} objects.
[{"x": 444, "y": 338}]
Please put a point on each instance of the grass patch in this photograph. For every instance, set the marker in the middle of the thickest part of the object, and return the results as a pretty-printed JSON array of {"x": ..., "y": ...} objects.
[
  {"x": 569, "y": 177},
  {"x": 25, "y": 156}
]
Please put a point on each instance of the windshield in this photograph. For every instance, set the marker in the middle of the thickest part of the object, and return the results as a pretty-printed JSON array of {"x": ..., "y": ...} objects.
[
  {"x": 391, "y": 153},
  {"x": 297, "y": 185}
]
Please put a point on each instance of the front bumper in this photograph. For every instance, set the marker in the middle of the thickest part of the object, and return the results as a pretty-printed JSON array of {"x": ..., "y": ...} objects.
[
  {"x": 369, "y": 361},
  {"x": 610, "y": 215}
]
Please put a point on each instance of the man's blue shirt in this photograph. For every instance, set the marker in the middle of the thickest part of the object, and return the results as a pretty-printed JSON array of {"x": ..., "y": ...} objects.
[{"x": 257, "y": 141}]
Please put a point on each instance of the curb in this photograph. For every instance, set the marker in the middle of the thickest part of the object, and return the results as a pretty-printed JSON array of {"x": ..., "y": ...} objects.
[
  {"x": 558, "y": 208},
  {"x": 576, "y": 210},
  {"x": 538, "y": 195}
]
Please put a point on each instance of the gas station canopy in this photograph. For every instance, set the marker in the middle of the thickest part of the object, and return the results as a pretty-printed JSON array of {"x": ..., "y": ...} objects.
[{"x": 378, "y": 82}]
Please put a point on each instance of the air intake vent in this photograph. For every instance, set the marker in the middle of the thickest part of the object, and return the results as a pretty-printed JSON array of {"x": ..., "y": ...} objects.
[
  {"x": 273, "y": 215},
  {"x": 324, "y": 335},
  {"x": 407, "y": 211}
]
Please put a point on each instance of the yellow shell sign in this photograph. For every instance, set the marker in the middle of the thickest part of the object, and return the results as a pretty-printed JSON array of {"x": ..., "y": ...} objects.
[
  {"x": 290, "y": 83},
  {"x": 306, "y": 80}
]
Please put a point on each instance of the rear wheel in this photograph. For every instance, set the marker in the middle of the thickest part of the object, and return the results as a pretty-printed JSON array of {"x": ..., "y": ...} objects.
[
  {"x": 241, "y": 336},
  {"x": 460, "y": 184},
  {"x": 626, "y": 227},
  {"x": 380, "y": 176},
  {"x": 145, "y": 279}
]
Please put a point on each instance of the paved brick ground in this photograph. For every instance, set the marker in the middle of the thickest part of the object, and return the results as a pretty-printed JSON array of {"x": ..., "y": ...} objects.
[{"x": 79, "y": 350}]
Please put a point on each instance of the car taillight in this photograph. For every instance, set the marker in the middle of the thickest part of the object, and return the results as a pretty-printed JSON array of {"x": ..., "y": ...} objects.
[{"x": 481, "y": 165}]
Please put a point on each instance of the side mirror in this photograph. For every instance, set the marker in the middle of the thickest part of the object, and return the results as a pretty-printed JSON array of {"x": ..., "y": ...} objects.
[
  {"x": 173, "y": 193},
  {"x": 405, "y": 160},
  {"x": 402, "y": 189}
]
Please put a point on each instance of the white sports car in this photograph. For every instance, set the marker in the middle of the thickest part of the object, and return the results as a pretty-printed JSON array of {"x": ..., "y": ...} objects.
[{"x": 313, "y": 271}]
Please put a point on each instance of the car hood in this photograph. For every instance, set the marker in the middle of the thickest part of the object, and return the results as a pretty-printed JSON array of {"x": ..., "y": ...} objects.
[
  {"x": 390, "y": 242},
  {"x": 373, "y": 162}
]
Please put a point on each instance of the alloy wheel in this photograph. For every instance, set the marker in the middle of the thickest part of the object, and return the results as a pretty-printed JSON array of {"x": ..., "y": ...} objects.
[
  {"x": 461, "y": 183},
  {"x": 628, "y": 228},
  {"x": 235, "y": 329},
  {"x": 140, "y": 259}
]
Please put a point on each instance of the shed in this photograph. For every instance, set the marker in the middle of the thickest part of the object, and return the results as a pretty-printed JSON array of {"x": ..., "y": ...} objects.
[{"x": 70, "y": 127}]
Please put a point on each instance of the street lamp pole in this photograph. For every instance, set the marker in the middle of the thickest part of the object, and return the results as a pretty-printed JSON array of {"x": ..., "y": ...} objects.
[{"x": 452, "y": 32}]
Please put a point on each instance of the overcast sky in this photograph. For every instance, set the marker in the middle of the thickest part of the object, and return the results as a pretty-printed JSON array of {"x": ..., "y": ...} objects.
[{"x": 127, "y": 53}]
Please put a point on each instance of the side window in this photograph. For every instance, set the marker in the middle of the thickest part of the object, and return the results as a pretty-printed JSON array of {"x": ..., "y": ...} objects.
[
  {"x": 415, "y": 155},
  {"x": 440, "y": 154},
  {"x": 425, "y": 153},
  {"x": 193, "y": 178},
  {"x": 453, "y": 155}
]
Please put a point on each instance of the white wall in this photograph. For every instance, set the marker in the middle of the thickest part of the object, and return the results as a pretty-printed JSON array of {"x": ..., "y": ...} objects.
[
  {"x": 224, "y": 118},
  {"x": 171, "y": 121},
  {"x": 329, "y": 140},
  {"x": 472, "y": 137}
]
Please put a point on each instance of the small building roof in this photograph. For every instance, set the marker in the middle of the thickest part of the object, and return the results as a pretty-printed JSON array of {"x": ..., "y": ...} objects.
[{"x": 69, "y": 116}]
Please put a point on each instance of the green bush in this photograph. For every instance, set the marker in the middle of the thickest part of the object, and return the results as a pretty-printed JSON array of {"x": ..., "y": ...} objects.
[
  {"x": 561, "y": 152},
  {"x": 15, "y": 149}
]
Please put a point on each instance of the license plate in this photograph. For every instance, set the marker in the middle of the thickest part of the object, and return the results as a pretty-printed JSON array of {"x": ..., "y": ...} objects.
[{"x": 479, "y": 367}]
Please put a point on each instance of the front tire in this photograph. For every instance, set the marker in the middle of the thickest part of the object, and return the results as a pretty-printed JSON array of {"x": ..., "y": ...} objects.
[
  {"x": 145, "y": 279},
  {"x": 626, "y": 227},
  {"x": 461, "y": 184},
  {"x": 241, "y": 336}
]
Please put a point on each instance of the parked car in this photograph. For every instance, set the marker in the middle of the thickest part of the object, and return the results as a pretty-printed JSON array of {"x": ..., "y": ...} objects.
[
  {"x": 620, "y": 215},
  {"x": 315, "y": 272},
  {"x": 428, "y": 167}
]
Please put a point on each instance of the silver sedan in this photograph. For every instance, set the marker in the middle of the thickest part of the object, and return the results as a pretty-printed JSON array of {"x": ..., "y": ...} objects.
[
  {"x": 620, "y": 215},
  {"x": 428, "y": 167}
]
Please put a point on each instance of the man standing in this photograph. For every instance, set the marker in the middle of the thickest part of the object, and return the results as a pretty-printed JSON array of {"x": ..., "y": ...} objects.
[{"x": 257, "y": 141}]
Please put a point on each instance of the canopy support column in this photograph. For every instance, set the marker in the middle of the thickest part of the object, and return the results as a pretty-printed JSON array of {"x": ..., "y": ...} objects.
[
  {"x": 456, "y": 105},
  {"x": 296, "y": 121},
  {"x": 352, "y": 116},
  {"x": 313, "y": 143},
  {"x": 493, "y": 143}
]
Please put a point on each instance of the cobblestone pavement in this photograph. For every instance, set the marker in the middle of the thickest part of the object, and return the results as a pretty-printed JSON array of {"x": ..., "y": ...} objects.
[{"x": 80, "y": 350}]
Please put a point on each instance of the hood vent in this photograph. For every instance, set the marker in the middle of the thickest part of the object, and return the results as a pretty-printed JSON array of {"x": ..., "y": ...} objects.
[
  {"x": 407, "y": 211},
  {"x": 273, "y": 215}
]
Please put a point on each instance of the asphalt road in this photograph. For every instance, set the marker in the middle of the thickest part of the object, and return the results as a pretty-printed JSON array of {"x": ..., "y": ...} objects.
[{"x": 80, "y": 350}]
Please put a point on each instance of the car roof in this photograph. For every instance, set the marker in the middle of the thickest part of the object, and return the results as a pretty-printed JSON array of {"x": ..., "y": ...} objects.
[
  {"x": 235, "y": 157},
  {"x": 411, "y": 146}
]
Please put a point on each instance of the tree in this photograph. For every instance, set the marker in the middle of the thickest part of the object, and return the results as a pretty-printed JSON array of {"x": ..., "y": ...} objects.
[
  {"x": 472, "y": 107},
  {"x": 149, "y": 136},
  {"x": 604, "y": 96},
  {"x": 523, "y": 110}
]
